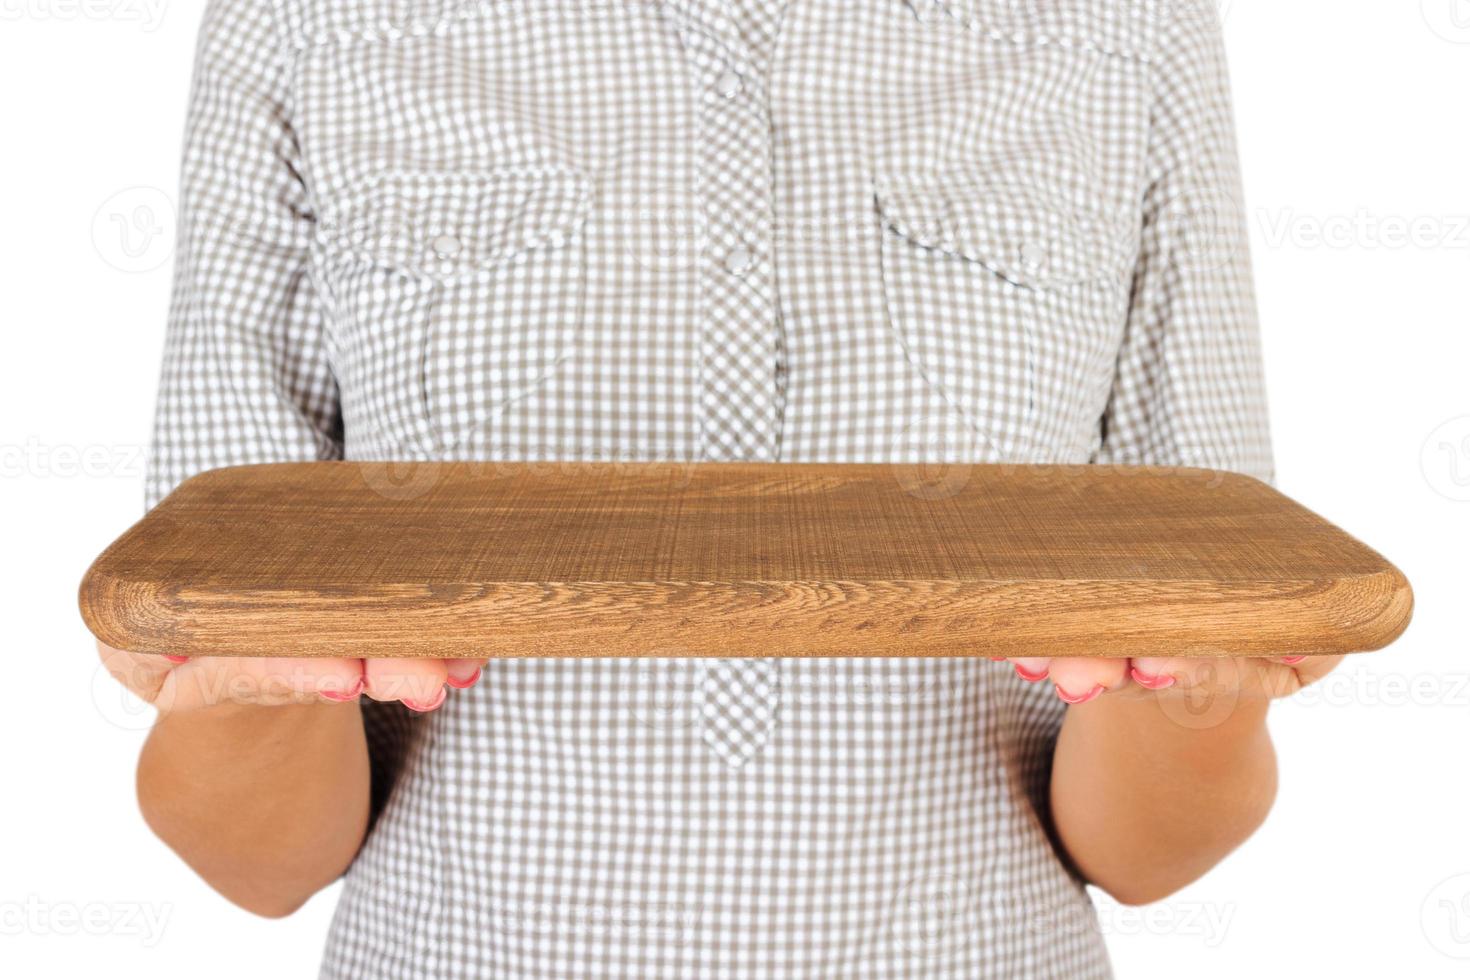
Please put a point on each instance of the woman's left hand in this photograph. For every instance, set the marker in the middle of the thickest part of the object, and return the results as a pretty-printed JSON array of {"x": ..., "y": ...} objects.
[
  {"x": 1078, "y": 680},
  {"x": 1166, "y": 765}
]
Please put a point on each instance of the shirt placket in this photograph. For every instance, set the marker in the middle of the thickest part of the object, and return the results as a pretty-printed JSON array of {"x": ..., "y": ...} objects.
[{"x": 727, "y": 48}]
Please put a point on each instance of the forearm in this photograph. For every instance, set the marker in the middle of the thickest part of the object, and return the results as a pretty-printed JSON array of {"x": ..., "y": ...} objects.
[
  {"x": 267, "y": 804},
  {"x": 1144, "y": 805}
]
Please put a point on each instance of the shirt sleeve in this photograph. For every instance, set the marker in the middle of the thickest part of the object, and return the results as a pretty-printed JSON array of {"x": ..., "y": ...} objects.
[
  {"x": 245, "y": 375},
  {"x": 1189, "y": 388}
]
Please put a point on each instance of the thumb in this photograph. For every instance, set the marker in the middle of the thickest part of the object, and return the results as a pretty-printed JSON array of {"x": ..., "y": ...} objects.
[{"x": 141, "y": 673}]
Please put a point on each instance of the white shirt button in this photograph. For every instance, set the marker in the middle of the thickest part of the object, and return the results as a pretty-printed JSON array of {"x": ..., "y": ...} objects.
[
  {"x": 739, "y": 261},
  {"x": 445, "y": 246},
  {"x": 729, "y": 84},
  {"x": 1033, "y": 255}
]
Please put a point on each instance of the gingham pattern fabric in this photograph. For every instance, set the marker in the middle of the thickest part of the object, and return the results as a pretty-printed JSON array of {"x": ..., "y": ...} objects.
[{"x": 931, "y": 232}]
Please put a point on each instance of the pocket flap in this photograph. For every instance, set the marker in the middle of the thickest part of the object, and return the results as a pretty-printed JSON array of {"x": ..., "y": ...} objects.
[
  {"x": 1020, "y": 232},
  {"x": 445, "y": 225}
]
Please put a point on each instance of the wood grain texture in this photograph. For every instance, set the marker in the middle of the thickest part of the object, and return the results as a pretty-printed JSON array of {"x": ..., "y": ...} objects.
[{"x": 733, "y": 559}]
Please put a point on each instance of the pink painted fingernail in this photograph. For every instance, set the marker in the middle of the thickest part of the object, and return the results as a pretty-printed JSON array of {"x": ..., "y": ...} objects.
[
  {"x": 1150, "y": 681},
  {"x": 1070, "y": 699},
  {"x": 1026, "y": 675},
  {"x": 467, "y": 682},
  {"x": 1292, "y": 661},
  {"x": 176, "y": 660},
  {"x": 348, "y": 695},
  {"x": 423, "y": 708}
]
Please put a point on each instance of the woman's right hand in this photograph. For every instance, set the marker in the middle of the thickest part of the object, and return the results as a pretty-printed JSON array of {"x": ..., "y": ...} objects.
[
  {"x": 183, "y": 684},
  {"x": 253, "y": 775}
]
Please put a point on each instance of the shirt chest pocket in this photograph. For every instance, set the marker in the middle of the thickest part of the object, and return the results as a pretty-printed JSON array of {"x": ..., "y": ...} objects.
[
  {"x": 1006, "y": 299},
  {"x": 453, "y": 295}
]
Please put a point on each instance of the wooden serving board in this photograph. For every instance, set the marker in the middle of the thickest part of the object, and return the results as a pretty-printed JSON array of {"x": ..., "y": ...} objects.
[{"x": 584, "y": 560}]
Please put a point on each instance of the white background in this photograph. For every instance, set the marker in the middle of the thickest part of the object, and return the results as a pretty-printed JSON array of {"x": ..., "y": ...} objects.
[{"x": 1356, "y": 148}]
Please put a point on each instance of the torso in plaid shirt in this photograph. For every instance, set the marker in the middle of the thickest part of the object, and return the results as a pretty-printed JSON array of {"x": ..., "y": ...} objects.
[{"x": 785, "y": 230}]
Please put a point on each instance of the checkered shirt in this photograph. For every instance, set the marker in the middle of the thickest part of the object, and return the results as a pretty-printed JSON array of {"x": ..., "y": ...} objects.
[{"x": 920, "y": 231}]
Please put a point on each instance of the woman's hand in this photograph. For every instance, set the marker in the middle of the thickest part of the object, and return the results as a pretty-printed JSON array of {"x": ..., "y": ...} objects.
[
  {"x": 1166, "y": 765},
  {"x": 1082, "y": 679},
  {"x": 253, "y": 775},
  {"x": 176, "y": 685}
]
